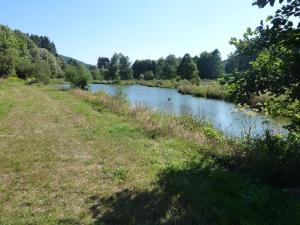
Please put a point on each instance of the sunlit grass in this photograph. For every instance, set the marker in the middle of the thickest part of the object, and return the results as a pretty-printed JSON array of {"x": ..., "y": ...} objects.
[{"x": 70, "y": 157}]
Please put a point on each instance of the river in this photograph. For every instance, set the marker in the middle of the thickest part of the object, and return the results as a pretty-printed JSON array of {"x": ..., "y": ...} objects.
[{"x": 223, "y": 115}]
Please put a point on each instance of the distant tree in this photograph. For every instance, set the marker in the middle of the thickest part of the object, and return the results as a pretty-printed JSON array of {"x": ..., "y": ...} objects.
[
  {"x": 210, "y": 65},
  {"x": 24, "y": 68},
  {"x": 73, "y": 62},
  {"x": 149, "y": 75},
  {"x": 142, "y": 66},
  {"x": 79, "y": 75},
  {"x": 169, "y": 70},
  {"x": 238, "y": 62},
  {"x": 41, "y": 72},
  {"x": 44, "y": 42},
  {"x": 114, "y": 67},
  {"x": 187, "y": 68},
  {"x": 96, "y": 73},
  {"x": 8, "y": 61},
  {"x": 126, "y": 72},
  {"x": 19, "y": 55},
  {"x": 196, "y": 59},
  {"x": 160, "y": 64},
  {"x": 103, "y": 63}
]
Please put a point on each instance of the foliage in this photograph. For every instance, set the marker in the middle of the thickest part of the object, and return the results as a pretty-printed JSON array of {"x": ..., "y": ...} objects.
[
  {"x": 126, "y": 72},
  {"x": 169, "y": 69},
  {"x": 238, "y": 62},
  {"x": 271, "y": 158},
  {"x": 44, "y": 42},
  {"x": 187, "y": 68},
  {"x": 118, "y": 68},
  {"x": 276, "y": 67},
  {"x": 20, "y": 56},
  {"x": 163, "y": 69},
  {"x": 79, "y": 75},
  {"x": 96, "y": 73},
  {"x": 210, "y": 65},
  {"x": 142, "y": 66},
  {"x": 41, "y": 72}
]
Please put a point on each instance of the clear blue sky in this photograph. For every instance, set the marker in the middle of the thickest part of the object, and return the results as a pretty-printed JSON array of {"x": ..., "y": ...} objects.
[{"x": 86, "y": 29}]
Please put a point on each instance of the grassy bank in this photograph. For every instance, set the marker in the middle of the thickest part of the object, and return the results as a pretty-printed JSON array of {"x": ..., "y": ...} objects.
[{"x": 69, "y": 157}]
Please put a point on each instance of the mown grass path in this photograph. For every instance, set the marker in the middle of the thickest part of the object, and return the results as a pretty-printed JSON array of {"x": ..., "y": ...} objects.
[{"x": 62, "y": 161}]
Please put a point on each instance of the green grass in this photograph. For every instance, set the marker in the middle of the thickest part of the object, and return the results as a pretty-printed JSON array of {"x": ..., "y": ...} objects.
[
  {"x": 66, "y": 160},
  {"x": 207, "y": 89}
]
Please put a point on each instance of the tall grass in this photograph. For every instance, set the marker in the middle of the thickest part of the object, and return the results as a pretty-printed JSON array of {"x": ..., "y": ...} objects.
[{"x": 206, "y": 90}]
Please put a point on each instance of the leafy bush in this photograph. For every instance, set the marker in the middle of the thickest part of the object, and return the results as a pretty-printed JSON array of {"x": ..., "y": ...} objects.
[
  {"x": 271, "y": 158},
  {"x": 79, "y": 76}
]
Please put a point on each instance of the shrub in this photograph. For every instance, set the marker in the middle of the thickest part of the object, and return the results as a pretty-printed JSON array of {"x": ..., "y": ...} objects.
[
  {"x": 79, "y": 76},
  {"x": 271, "y": 158}
]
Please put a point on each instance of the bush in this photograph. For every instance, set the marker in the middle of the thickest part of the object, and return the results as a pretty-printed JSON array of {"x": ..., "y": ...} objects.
[
  {"x": 40, "y": 72},
  {"x": 271, "y": 158},
  {"x": 79, "y": 76}
]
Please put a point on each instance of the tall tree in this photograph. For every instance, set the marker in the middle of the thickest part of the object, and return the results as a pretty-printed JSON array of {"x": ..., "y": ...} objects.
[
  {"x": 96, "y": 73},
  {"x": 114, "y": 67},
  {"x": 238, "y": 62},
  {"x": 126, "y": 72},
  {"x": 187, "y": 68},
  {"x": 103, "y": 63},
  {"x": 170, "y": 67},
  {"x": 160, "y": 64},
  {"x": 210, "y": 65},
  {"x": 140, "y": 67},
  {"x": 44, "y": 42}
]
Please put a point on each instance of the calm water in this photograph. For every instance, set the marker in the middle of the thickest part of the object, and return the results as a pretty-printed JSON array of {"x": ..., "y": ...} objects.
[{"x": 222, "y": 114}]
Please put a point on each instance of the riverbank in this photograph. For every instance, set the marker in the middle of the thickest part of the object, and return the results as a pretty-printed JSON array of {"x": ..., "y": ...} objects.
[
  {"x": 206, "y": 88},
  {"x": 274, "y": 106},
  {"x": 70, "y": 157}
]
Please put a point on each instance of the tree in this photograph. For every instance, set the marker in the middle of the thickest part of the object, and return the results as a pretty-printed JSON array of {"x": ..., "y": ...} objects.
[
  {"x": 96, "y": 73},
  {"x": 169, "y": 70},
  {"x": 103, "y": 63},
  {"x": 24, "y": 68},
  {"x": 142, "y": 66},
  {"x": 210, "y": 65},
  {"x": 187, "y": 68},
  {"x": 41, "y": 72},
  {"x": 44, "y": 42},
  {"x": 126, "y": 72},
  {"x": 160, "y": 64},
  {"x": 8, "y": 61},
  {"x": 238, "y": 62},
  {"x": 79, "y": 75},
  {"x": 149, "y": 75},
  {"x": 276, "y": 68},
  {"x": 114, "y": 67}
]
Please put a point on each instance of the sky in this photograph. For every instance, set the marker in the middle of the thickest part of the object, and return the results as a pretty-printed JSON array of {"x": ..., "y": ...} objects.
[{"x": 140, "y": 29}]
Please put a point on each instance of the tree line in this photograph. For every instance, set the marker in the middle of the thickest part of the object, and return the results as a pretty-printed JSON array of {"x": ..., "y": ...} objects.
[
  {"x": 21, "y": 56},
  {"x": 208, "y": 65}
]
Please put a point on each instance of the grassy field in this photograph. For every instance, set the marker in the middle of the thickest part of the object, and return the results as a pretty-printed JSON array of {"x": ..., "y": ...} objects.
[{"x": 64, "y": 160}]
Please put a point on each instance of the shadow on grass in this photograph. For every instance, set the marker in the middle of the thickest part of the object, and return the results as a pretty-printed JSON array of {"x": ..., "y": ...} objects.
[{"x": 197, "y": 194}]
